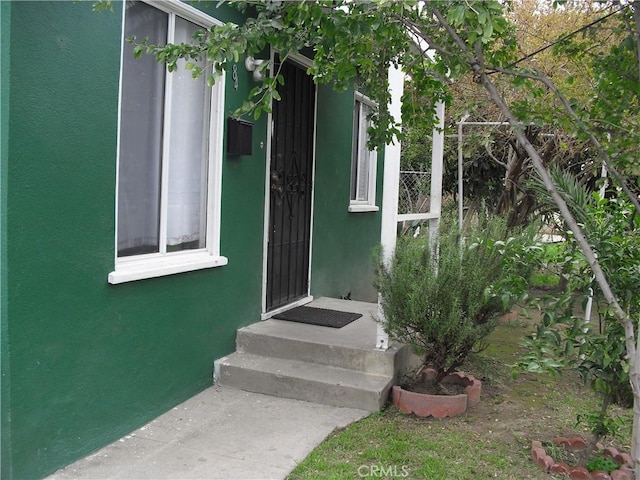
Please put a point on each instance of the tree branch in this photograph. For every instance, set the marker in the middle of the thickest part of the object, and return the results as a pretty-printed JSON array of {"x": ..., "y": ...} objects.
[
  {"x": 592, "y": 138},
  {"x": 416, "y": 30},
  {"x": 493, "y": 157},
  {"x": 471, "y": 60},
  {"x": 635, "y": 6}
]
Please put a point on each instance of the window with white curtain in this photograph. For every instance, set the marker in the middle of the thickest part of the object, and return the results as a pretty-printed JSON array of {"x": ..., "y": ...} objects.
[
  {"x": 363, "y": 159},
  {"x": 170, "y": 152}
]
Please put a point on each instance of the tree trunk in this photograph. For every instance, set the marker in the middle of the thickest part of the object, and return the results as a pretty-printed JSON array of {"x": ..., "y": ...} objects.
[
  {"x": 515, "y": 203},
  {"x": 634, "y": 376}
]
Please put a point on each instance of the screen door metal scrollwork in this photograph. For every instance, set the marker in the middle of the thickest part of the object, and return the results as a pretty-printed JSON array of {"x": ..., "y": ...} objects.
[{"x": 290, "y": 189}]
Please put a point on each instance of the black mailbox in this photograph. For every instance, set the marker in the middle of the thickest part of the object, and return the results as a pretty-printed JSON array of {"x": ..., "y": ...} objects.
[{"x": 239, "y": 137}]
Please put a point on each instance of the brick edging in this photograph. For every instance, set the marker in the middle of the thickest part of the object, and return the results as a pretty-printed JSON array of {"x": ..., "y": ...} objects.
[{"x": 549, "y": 465}]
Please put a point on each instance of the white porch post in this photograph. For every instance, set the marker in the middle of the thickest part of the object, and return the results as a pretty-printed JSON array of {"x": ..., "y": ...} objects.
[
  {"x": 437, "y": 154},
  {"x": 391, "y": 183}
]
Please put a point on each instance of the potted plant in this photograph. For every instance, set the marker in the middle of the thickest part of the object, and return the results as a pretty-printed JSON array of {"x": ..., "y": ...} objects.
[{"x": 442, "y": 296}]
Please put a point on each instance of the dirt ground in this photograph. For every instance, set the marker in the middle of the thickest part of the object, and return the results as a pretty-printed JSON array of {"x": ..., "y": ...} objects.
[{"x": 529, "y": 407}]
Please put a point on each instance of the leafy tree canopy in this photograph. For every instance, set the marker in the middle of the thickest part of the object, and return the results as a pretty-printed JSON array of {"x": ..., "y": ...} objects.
[
  {"x": 352, "y": 42},
  {"x": 438, "y": 44}
]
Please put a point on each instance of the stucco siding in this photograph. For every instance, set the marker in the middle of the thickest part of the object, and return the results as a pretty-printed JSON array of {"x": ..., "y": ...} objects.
[
  {"x": 85, "y": 362},
  {"x": 92, "y": 361},
  {"x": 343, "y": 241}
]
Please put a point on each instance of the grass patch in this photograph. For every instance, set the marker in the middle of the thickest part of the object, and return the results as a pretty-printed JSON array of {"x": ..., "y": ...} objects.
[
  {"x": 544, "y": 280},
  {"x": 492, "y": 440},
  {"x": 410, "y": 448}
]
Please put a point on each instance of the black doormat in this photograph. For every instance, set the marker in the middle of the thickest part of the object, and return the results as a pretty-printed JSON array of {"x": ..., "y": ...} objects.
[{"x": 318, "y": 316}]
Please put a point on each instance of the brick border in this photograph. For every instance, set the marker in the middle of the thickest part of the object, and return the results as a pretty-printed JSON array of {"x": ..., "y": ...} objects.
[{"x": 549, "y": 465}]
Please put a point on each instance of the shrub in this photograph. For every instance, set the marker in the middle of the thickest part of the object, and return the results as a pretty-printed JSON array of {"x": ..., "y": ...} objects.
[{"x": 442, "y": 296}]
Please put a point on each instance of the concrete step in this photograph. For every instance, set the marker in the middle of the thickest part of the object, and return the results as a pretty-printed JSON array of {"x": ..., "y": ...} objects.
[
  {"x": 301, "y": 380},
  {"x": 319, "y": 345}
]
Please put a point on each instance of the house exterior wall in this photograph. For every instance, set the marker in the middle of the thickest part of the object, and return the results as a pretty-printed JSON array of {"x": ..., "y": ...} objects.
[
  {"x": 85, "y": 362},
  {"x": 343, "y": 241},
  {"x": 5, "y": 37}
]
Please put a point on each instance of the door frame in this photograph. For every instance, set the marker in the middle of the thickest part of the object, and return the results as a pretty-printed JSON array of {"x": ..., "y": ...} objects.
[{"x": 303, "y": 62}]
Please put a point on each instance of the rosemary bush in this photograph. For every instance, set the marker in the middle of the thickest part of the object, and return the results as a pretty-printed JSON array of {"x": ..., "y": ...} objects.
[{"x": 442, "y": 297}]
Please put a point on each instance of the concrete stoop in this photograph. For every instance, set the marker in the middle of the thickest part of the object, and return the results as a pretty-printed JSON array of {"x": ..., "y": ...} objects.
[{"x": 338, "y": 367}]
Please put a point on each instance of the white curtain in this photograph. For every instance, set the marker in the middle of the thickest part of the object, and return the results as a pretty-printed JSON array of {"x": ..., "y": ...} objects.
[
  {"x": 144, "y": 115},
  {"x": 190, "y": 99},
  {"x": 141, "y": 135},
  {"x": 364, "y": 154}
]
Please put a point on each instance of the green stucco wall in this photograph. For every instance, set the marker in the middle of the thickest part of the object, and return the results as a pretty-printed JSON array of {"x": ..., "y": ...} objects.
[
  {"x": 89, "y": 361},
  {"x": 343, "y": 242},
  {"x": 85, "y": 362},
  {"x": 5, "y": 427}
]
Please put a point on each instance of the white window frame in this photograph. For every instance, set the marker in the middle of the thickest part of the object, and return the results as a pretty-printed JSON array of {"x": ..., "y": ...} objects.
[
  {"x": 369, "y": 204},
  {"x": 152, "y": 265}
]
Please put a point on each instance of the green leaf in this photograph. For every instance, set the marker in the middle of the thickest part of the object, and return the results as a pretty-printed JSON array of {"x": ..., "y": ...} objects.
[
  {"x": 483, "y": 16},
  {"x": 533, "y": 367},
  {"x": 456, "y": 15},
  {"x": 488, "y": 32}
]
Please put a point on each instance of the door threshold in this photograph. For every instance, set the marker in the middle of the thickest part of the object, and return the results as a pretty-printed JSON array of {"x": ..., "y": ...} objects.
[{"x": 289, "y": 306}]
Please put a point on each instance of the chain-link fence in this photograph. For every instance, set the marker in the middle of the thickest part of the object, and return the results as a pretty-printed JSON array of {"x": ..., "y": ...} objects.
[{"x": 413, "y": 195}]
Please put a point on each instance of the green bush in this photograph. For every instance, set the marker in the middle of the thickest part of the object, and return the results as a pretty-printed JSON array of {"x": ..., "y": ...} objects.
[
  {"x": 606, "y": 464},
  {"x": 594, "y": 347},
  {"x": 443, "y": 297}
]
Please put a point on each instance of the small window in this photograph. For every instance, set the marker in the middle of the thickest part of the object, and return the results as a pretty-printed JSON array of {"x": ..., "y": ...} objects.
[
  {"x": 169, "y": 155},
  {"x": 363, "y": 160}
]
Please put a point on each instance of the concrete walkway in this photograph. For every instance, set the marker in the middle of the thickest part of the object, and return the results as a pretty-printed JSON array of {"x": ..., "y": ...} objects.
[{"x": 221, "y": 433}]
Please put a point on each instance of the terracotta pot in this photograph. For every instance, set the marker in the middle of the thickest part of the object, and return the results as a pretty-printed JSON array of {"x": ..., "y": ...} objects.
[{"x": 439, "y": 406}]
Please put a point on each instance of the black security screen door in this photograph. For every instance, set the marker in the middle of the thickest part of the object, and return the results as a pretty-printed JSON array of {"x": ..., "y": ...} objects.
[{"x": 290, "y": 189}]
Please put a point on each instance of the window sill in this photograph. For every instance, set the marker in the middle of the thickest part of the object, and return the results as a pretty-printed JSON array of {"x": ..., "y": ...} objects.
[
  {"x": 130, "y": 271},
  {"x": 363, "y": 208}
]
